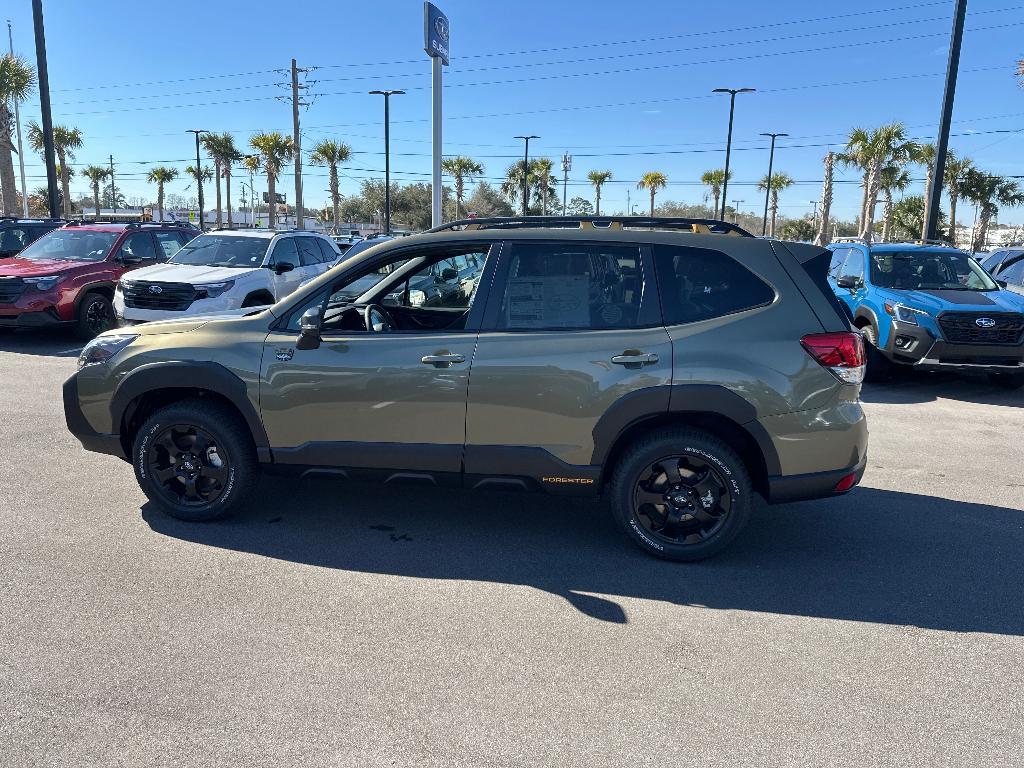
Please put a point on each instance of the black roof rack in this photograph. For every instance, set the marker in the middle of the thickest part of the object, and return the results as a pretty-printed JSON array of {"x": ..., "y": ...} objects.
[
  {"x": 33, "y": 219},
  {"x": 703, "y": 226},
  {"x": 923, "y": 241},
  {"x": 140, "y": 224}
]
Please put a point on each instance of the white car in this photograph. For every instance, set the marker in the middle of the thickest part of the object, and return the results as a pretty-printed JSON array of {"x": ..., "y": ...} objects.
[{"x": 224, "y": 270}]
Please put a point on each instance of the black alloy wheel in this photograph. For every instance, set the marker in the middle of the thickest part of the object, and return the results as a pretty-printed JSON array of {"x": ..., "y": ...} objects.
[
  {"x": 188, "y": 465},
  {"x": 681, "y": 500}
]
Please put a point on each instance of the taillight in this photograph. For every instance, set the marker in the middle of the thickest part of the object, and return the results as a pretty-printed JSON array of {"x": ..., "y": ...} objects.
[{"x": 842, "y": 353}]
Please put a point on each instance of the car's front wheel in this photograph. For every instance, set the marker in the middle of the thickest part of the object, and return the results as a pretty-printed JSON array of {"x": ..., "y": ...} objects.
[
  {"x": 195, "y": 460},
  {"x": 681, "y": 494},
  {"x": 95, "y": 315},
  {"x": 879, "y": 368}
]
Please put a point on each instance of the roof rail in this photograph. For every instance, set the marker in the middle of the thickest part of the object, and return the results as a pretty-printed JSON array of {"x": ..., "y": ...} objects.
[
  {"x": 140, "y": 224},
  {"x": 850, "y": 239},
  {"x": 33, "y": 219},
  {"x": 702, "y": 226},
  {"x": 925, "y": 241}
]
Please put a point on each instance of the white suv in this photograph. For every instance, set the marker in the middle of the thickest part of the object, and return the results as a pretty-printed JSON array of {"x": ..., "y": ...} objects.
[{"x": 224, "y": 270}]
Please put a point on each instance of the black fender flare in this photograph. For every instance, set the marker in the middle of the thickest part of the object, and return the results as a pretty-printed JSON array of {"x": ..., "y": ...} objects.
[
  {"x": 201, "y": 374},
  {"x": 91, "y": 288},
  {"x": 868, "y": 314},
  {"x": 666, "y": 400}
]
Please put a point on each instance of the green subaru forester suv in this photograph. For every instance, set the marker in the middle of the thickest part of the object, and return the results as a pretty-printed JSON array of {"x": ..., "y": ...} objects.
[{"x": 678, "y": 367}]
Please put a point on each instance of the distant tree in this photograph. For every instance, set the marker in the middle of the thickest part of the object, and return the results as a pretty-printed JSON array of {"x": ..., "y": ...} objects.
[
  {"x": 824, "y": 236},
  {"x": 486, "y": 201},
  {"x": 461, "y": 168},
  {"x": 113, "y": 197},
  {"x": 274, "y": 150},
  {"x": 779, "y": 182},
  {"x": 579, "y": 206},
  {"x": 871, "y": 151},
  {"x": 924, "y": 156},
  {"x": 544, "y": 182},
  {"x": 96, "y": 174},
  {"x": 65, "y": 142},
  {"x": 332, "y": 153},
  {"x": 907, "y": 218},
  {"x": 956, "y": 171},
  {"x": 652, "y": 181},
  {"x": 161, "y": 176},
  {"x": 221, "y": 147},
  {"x": 714, "y": 181},
  {"x": 894, "y": 179},
  {"x": 598, "y": 179},
  {"x": 800, "y": 230},
  {"x": 17, "y": 79},
  {"x": 990, "y": 193}
]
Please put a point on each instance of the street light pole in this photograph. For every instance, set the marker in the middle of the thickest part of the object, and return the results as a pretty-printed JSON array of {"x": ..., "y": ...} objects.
[
  {"x": 43, "y": 81},
  {"x": 387, "y": 154},
  {"x": 566, "y": 167},
  {"x": 17, "y": 123},
  {"x": 768, "y": 186},
  {"x": 728, "y": 142},
  {"x": 736, "y": 210},
  {"x": 199, "y": 175},
  {"x": 814, "y": 215},
  {"x": 935, "y": 194},
  {"x": 526, "y": 171}
]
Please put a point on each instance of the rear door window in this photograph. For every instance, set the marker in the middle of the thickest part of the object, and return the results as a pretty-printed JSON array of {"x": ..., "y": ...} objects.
[
  {"x": 1013, "y": 273},
  {"x": 139, "y": 246},
  {"x": 309, "y": 251},
  {"x": 170, "y": 243},
  {"x": 285, "y": 253},
  {"x": 699, "y": 284},
  {"x": 326, "y": 252}
]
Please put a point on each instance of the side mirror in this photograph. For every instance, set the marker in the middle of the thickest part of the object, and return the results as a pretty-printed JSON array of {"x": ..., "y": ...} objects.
[
  {"x": 1002, "y": 284},
  {"x": 283, "y": 267},
  {"x": 448, "y": 274},
  {"x": 849, "y": 281},
  {"x": 129, "y": 261},
  {"x": 309, "y": 329}
]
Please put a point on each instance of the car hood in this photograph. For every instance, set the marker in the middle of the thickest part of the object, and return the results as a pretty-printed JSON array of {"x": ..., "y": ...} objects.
[
  {"x": 17, "y": 267},
  {"x": 185, "y": 324},
  {"x": 188, "y": 273},
  {"x": 960, "y": 301}
]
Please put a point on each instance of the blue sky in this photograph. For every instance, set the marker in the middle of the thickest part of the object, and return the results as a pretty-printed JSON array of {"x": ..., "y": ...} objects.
[{"x": 624, "y": 87}]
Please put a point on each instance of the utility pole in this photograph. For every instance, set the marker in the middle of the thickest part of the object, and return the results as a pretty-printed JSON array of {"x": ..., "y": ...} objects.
[
  {"x": 768, "y": 186},
  {"x": 44, "y": 108},
  {"x": 728, "y": 142},
  {"x": 814, "y": 215},
  {"x": 566, "y": 167},
  {"x": 17, "y": 123},
  {"x": 935, "y": 194},
  {"x": 113, "y": 189},
  {"x": 526, "y": 172},
  {"x": 300, "y": 221},
  {"x": 736, "y": 211},
  {"x": 628, "y": 204},
  {"x": 387, "y": 154}
]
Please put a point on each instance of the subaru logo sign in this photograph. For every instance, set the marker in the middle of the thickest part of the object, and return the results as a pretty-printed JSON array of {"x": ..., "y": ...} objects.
[
  {"x": 441, "y": 27},
  {"x": 435, "y": 32},
  {"x": 155, "y": 289},
  {"x": 985, "y": 322}
]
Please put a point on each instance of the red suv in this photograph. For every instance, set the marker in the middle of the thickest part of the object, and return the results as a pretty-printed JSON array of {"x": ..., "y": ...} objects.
[{"x": 68, "y": 276}]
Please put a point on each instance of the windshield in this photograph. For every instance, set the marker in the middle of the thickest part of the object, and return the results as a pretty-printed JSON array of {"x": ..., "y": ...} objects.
[
  {"x": 222, "y": 251},
  {"x": 71, "y": 245},
  {"x": 929, "y": 270}
]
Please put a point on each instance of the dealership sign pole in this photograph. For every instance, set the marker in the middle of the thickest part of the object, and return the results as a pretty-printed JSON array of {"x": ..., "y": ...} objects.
[{"x": 435, "y": 43}]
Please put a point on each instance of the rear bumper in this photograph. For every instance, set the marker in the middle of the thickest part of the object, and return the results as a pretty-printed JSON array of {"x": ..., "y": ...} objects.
[
  {"x": 816, "y": 485},
  {"x": 79, "y": 426},
  {"x": 917, "y": 347}
]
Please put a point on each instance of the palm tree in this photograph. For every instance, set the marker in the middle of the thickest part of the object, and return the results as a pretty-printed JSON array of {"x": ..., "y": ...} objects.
[
  {"x": 871, "y": 151},
  {"x": 65, "y": 142},
  {"x": 779, "y": 182},
  {"x": 541, "y": 169},
  {"x": 221, "y": 147},
  {"x": 460, "y": 168},
  {"x": 822, "y": 239},
  {"x": 715, "y": 179},
  {"x": 652, "y": 181},
  {"x": 894, "y": 179},
  {"x": 598, "y": 178},
  {"x": 274, "y": 150},
  {"x": 989, "y": 192},
  {"x": 17, "y": 79},
  {"x": 512, "y": 186},
  {"x": 956, "y": 170},
  {"x": 161, "y": 176},
  {"x": 925, "y": 155},
  {"x": 96, "y": 174}
]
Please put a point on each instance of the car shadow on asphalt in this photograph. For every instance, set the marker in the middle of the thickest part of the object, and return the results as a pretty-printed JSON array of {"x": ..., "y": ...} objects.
[
  {"x": 46, "y": 342},
  {"x": 911, "y": 387},
  {"x": 872, "y": 555}
]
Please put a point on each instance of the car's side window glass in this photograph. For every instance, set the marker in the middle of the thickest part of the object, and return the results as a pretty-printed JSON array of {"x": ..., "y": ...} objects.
[
  {"x": 315, "y": 300},
  {"x": 285, "y": 253},
  {"x": 854, "y": 266},
  {"x": 309, "y": 251},
  {"x": 449, "y": 282},
  {"x": 552, "y": 286},
  {"x": 12, "y": 239},
  {"x": 326, "y": 252},
  {"x": 699, "y": 284},
  {"x": 835, "y": 269},
  {"x": 1014, "y": 273},
  {"x": 139, "y": 246},
  {"x": 169, "y": 242}
]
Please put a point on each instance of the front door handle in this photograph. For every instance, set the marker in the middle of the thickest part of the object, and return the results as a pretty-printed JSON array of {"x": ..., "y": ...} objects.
[
  {"x": 443, "y": 361},
  {"x": 635, "y": 359}
]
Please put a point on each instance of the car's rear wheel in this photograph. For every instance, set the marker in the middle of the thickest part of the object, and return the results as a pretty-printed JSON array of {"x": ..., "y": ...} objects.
[
  {"x": 195, "y": 460},
  {"x": 879, "y": 367},
  {"x": 681, "y": 494},
  {"x": 95, "y": 315},
  {"x": 1007, "y": 380}
]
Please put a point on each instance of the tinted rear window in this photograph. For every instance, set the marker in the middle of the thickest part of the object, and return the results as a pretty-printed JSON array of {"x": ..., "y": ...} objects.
[{"x": 699, "y": 284}]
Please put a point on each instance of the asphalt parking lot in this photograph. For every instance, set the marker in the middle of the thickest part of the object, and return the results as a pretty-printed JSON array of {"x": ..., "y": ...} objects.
[{"x": 344, "y": 625}]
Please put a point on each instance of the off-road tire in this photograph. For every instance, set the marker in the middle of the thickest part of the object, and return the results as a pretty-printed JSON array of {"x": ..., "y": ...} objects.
[
  {"x": 234, "y": 446},
  {"x": 879, "y": 367},
  {"x": 680, "y": 442}
]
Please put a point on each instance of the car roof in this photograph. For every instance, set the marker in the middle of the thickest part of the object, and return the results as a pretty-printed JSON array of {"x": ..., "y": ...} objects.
[
  {"x": 262, "y": 232},
  {"x": 111, "y": 227}
]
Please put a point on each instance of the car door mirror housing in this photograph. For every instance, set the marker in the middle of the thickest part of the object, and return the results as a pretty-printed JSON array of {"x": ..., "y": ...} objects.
[
  {"x": 849, "y": 281},
  {"x": 448, "y": 274},
  {"x": 309, "y": 329},
  {"x": 1002, "y": 284},
  {"x": 283, "y": 267},
  {"x": 129, "y": 260}
]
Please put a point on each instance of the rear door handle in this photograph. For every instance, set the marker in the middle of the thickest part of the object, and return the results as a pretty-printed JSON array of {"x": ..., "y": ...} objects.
[
  {"x": 443, "y": 361},
  {"x": 635, "y": 360}
]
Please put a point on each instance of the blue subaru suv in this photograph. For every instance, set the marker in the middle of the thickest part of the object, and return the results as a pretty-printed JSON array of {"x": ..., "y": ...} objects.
[{"x": 929, "y": 306}]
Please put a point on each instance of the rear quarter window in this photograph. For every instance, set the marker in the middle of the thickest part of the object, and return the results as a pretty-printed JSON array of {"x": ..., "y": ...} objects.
[{"x": 699, "y": 284}]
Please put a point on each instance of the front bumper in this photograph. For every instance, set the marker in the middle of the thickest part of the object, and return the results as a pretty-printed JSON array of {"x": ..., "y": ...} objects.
[
  {"x": 128, "y": 316},
  {"x": 79, "y": 426},
  {"x": 46, "y": 318},
  {"x": 917, "y": 347}
]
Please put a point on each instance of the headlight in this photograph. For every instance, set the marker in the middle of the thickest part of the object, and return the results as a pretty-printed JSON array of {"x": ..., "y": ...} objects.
[
  {"x": 417, "y": 298},
  {"x": 44, "y": 283},
  {"x": 213, "y": 290},
  {"x": 905, "y": 314},
  {"x": 103, "y": 348}
]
